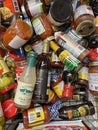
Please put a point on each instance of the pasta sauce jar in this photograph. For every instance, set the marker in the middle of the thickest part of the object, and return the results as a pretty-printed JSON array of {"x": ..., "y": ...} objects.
[
  {"x": 93, "y": 77},
  {"x": 84, "y": 20}
]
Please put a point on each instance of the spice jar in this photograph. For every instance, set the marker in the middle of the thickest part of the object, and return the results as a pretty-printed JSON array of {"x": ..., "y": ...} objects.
[
  {"x": 42, "y": 26},
  {"x": 35, "y": 116},
  {"x": 64, "y": 14},
  {"x": 84, "y": 20},
  {"x": 93, "y": 77},
  {"x": 16, "y": 35}
]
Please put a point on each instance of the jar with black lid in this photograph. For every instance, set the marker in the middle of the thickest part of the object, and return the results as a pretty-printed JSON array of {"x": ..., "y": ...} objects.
[{"x": 65, "y": 12}]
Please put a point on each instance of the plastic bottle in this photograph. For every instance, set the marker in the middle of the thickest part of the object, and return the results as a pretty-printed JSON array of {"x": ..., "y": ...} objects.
[{"x": 26, "y": 83}]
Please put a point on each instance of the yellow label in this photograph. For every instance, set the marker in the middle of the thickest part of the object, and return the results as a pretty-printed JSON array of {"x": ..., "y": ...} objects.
[
  {"x": 82, "y": 75},
  {"x": 36, "y": 115},
  {"x": 63, "y": 56},
  {"x": 37, "y": 123},
  {"x": 59, "y": 88},
  {"x": 50, "y": 94}
]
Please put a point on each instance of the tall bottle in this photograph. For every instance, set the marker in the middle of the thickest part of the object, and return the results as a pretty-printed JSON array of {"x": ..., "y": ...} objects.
[
  {"x": 26, "y": 83},
  {"x": 43, "y": 67},
  {"x": 65, "y": 57}
]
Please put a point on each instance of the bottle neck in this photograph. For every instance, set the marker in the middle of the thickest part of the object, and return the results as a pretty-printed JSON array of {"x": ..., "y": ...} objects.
[{"x": 31, "y": 61}]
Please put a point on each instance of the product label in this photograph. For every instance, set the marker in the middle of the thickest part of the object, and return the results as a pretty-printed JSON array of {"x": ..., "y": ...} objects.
[
  {"x": 38, "y": 26},
  {"x": 81, "y": 10},
  {"x": 3, "y": 67},
  {"x": 17, "y": 42},
  {"x": 83, "y": 73},
  {"x": 36, "y": 115},
  {"x": 38, "y": 47},
  {"x": 54, "y": 57},
  {"x": 68, "y": 60},
  {"x": 59, "y": 88},
  {"x": 93, "y": 81},
  {"x": 24, "y": 93},
  {"x": 35, "y": 8},
  {"x": 16, "y": 6},
  {"x": 71, "y": 45},
  {"x": 50, "y": 95},
  {"x": 41, "y": 82}
]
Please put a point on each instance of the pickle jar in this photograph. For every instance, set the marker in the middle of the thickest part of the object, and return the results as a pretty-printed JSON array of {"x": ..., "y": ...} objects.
[
  {"x": 6, "y": 78},
  {"x": 93, "y": 77}
]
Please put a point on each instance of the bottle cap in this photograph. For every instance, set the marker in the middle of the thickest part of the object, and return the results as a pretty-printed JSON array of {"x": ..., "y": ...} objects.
[
  {"x": 32, "y": 54},
  {"x": 54, "y": 46},
  {"x": 9, "y": 109}
]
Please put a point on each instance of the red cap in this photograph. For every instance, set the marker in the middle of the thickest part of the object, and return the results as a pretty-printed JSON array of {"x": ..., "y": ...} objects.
[
  {"x": 68, "y": 91},
  {"x": 9, "y": 109}
]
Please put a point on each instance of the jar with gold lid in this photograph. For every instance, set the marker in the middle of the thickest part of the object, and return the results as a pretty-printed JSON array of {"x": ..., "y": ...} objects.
[{"x": 93, "y": 77}]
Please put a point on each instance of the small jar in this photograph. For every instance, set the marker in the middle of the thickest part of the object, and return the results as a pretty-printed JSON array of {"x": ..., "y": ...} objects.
[
  {"x": 16, "y": 35},
  {"x": 64, "y": 14},
  {"x": 36, "y": 116},
  {"x": 42, "y": 26},
  {"x": 84, "y": 20},
  {"x": 93, "y": 77}
]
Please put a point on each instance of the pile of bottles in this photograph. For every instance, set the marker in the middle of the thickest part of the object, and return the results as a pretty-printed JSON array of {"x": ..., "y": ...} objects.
[{"x": 48, "y": 60}]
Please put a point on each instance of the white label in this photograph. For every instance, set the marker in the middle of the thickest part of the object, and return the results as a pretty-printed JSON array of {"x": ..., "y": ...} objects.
[
  {"x": 93, "y": 81},
  {"x": 38, "y": 26},
  {"x": 71, "y": 45},
  {"x": 81, "y": 10},
  {"x": 16, "y": 6},
  {"x": 38, "y": 47},
  {"x": 24, "y": 93},
  {"x": 17, "y": 42},
  {"x": 35, "y": 9}
]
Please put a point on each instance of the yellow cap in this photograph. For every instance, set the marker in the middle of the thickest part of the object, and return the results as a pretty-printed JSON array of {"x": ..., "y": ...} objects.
[{"x": 54, "y": 46}]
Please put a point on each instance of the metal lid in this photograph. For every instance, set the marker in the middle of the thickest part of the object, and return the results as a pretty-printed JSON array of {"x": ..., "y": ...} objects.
[{"x": 61, "y": 10}]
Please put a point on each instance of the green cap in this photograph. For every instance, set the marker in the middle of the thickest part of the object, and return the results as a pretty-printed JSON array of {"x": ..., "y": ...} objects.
[{"x": 31, "y": 58}]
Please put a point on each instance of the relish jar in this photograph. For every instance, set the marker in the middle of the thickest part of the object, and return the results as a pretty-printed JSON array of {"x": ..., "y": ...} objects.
[
  {"x": 93, "y": 77},
  {"x": 42, "y": 26}
]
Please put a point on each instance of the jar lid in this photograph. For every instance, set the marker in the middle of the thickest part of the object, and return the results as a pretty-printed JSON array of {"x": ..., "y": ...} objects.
[
  {"x": 61, "y": 10},
  {"x": 9, "y": 109}
]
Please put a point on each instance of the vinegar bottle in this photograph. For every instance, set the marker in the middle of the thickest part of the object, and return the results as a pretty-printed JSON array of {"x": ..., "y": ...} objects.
[
  {"x": 43, "y": 66},
  {"x": 26, "y": 83}
]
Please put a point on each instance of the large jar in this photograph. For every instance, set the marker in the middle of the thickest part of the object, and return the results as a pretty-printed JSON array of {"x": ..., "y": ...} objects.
[
  {"x": 42, "y": 26},
  {"x": 17, "y": 35},
  {"x": 93, "y": 77}
]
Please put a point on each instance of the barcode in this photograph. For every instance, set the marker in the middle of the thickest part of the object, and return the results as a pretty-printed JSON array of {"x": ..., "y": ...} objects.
[{"x": 80, "y": 47}]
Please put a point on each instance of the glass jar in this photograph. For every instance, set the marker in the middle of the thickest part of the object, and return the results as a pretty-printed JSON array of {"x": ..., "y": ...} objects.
[
  {"x": 93, "y": 77},
  {"x": 16, "y": 35},
  {"x": 42, "y": 26},
  {"x": 84, "y": 20},
  {"x": 41, "y": 115},
  {"x": 6, "y": 78}
]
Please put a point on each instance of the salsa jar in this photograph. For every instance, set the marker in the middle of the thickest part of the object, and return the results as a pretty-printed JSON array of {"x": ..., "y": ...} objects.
[
  {"x": 42, "y": 26},
  {"x": 93, "y": 77},
  {"x": 16, "y": 35}
]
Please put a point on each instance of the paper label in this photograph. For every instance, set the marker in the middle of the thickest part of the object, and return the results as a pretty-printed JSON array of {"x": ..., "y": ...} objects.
[
  {"x": 3, "y": 67},
  {"x": 81, "y": 10},
  {"x": 36, "y": 115},
  {"x": 38, "y": 26},
  {"x": 24, "y": 93},
  {"x": 83, "y": 73},
  {"x": 17, "y": 42}
]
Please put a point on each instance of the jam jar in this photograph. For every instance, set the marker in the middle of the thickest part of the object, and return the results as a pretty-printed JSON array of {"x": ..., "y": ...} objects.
[{"x": 93, "y": 77}]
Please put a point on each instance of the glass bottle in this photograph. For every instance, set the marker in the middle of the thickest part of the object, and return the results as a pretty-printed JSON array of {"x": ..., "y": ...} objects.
[
  {"x": 42, "y": 26},
  {"x": 76, "y": 111},
  {"x": 36, "y": 116},
  {"x": 26, "y": 83},
  {"x": 43, "y": 67},
  {"x": 64, "y": 56}
]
